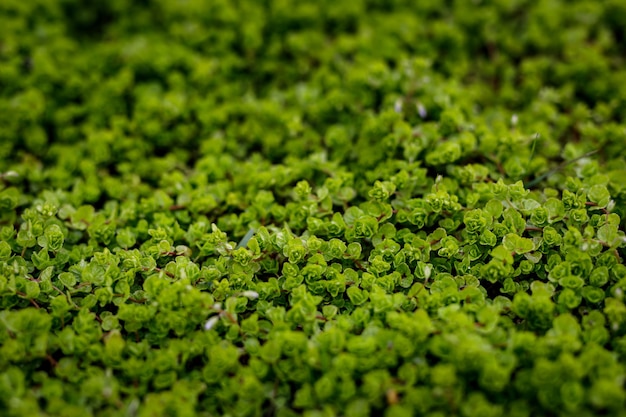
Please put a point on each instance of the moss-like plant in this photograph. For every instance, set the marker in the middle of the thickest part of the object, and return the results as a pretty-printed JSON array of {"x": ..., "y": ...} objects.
[{"x": 331, "y": 208}]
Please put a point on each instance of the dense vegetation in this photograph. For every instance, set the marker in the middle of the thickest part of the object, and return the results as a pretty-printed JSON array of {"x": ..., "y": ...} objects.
[{"x": 324, "y": 208}]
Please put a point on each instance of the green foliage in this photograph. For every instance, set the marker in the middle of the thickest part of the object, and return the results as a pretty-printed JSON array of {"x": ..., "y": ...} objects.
[{"x": 394, "y": 208}]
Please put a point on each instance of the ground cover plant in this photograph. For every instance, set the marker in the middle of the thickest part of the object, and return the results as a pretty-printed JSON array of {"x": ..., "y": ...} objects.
[{"x": 330, "y": 208}]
